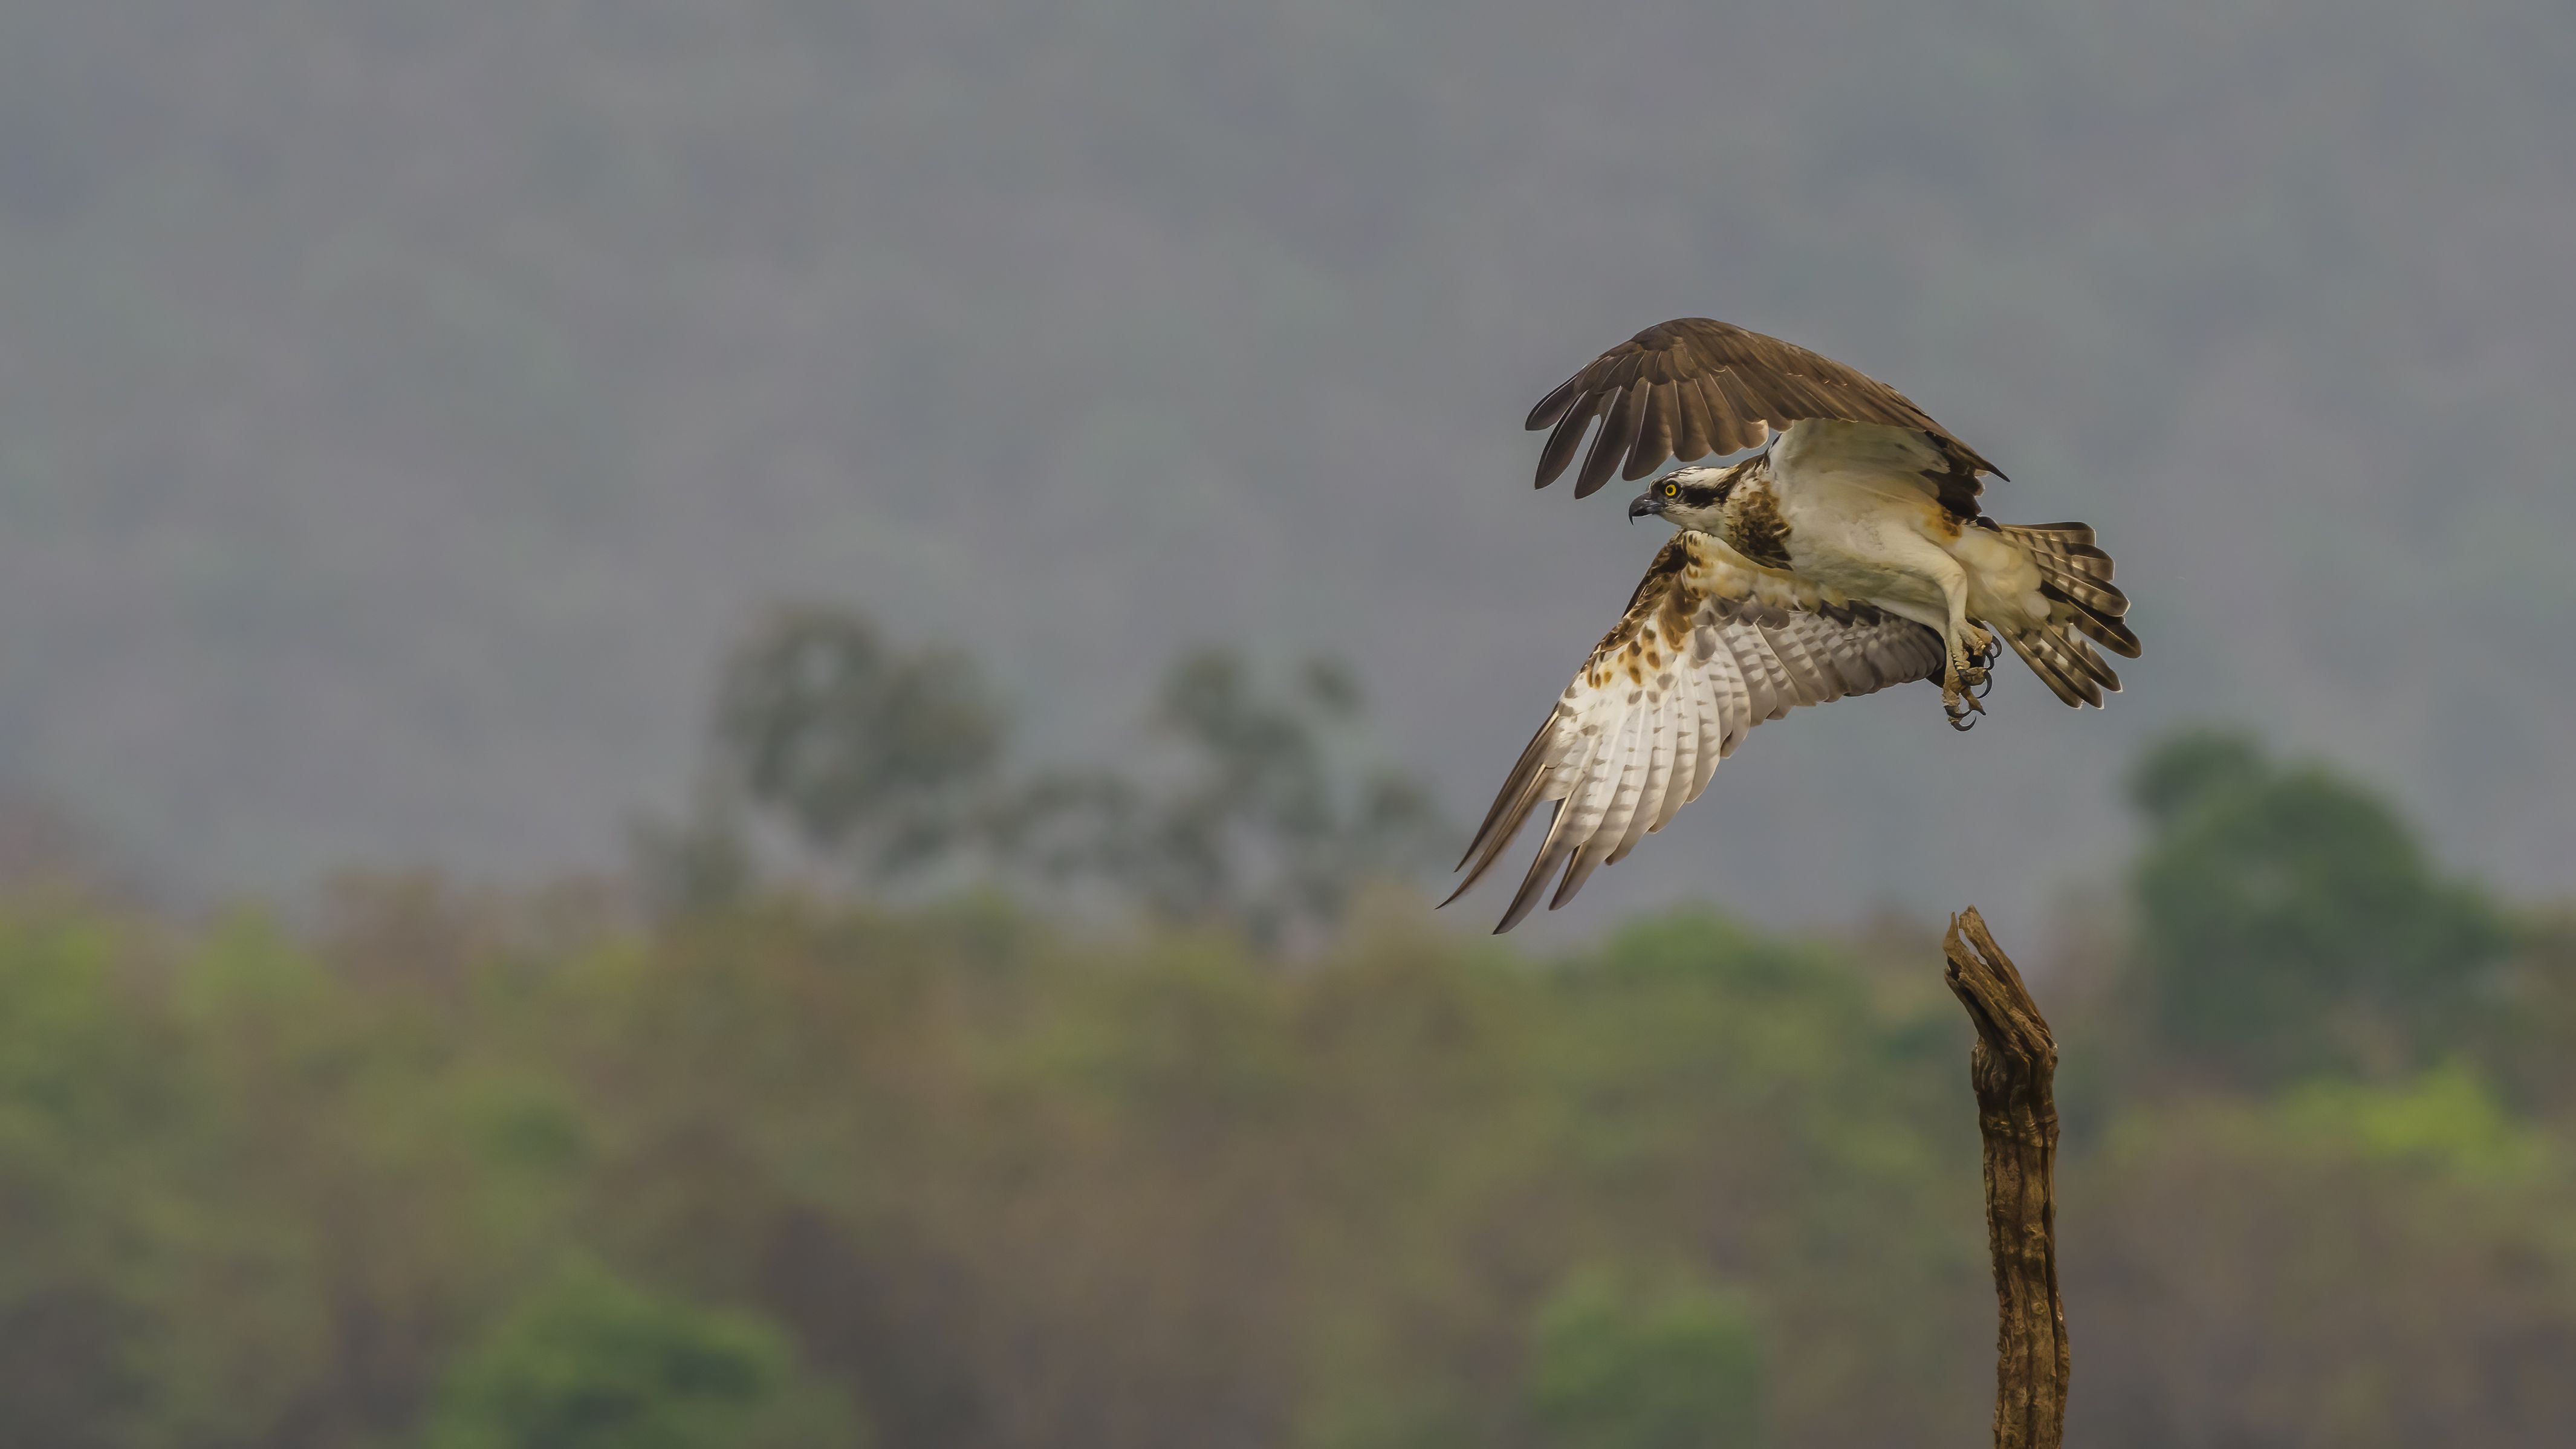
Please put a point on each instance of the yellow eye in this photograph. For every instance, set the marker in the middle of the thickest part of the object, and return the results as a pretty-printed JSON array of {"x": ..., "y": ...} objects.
[{"x": 1672, "y": 490}]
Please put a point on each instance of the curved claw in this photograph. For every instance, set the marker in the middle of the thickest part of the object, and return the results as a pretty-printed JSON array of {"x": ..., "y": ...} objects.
[
  {"x": 1984, "y": 685},
  {"x": 1962, "y": 710}
]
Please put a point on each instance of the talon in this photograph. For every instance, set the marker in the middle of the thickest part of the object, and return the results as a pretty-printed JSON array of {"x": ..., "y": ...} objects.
[
  {"x": 1984, "y": 648},
  {"x": 1959, "y": 695}
]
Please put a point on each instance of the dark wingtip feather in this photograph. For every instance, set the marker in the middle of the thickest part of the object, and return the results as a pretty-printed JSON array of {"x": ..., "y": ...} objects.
[
  {"x": 1553, "y": 406},
  {"x": 1591, "y": 858},
  {"x": 1532, "y": 887},
  {"x": 1491, "y": 843},
  {"x": 1601, "y": 457},
  {"x": 1511, "y": 811},
  {"x": 1560, "y": 446},
  {"x": 1620, "y": 421},
  {"x": 1516, "y": 788},
  {"x": 1552, "y": 853}
]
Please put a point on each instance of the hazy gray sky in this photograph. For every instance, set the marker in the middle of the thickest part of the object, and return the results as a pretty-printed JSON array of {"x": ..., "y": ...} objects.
[{"x": 401, "y": 403}]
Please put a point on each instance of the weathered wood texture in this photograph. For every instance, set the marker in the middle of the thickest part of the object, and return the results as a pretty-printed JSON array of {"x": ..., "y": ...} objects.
[{"x": 2012, "y": 1067}]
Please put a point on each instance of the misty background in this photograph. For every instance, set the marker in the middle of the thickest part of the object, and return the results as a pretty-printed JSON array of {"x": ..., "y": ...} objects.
[
  {"x": 705, "y": 705},
  {"x": 401, "y": 405}
]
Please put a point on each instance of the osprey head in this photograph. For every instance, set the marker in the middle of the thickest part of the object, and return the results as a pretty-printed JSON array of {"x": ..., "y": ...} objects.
[{"x": 1687, "y": 497}]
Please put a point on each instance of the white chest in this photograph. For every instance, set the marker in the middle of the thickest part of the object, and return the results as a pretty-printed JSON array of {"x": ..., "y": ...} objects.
[{"x": 1870, "y": 542}]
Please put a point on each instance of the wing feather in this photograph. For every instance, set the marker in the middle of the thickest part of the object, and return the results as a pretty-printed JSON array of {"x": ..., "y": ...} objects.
[
  {"x": 1617, "y": 803},
  {"x": 1543, "y": 865},
  {"x": 1519, "y": 792},
  {"x": 1658, "y": 427},
  {"x": 1561, "y": 444},
  {"x": 1721, "y": 708},
  {"x": 1553, "y": 409},
  {"x": 1708, "y": 736},
  {"x": 1695, "y": 722},
  {"x": 1752, "y": 385},
  {"x": 1619, "y": 425},
  {"x": 1710, "y": 646},
  {"x": 1657, "y": 433},
  {"x": 1667, "y": 736},
  {"x": 1811, "y": 679},
  {"x": 1738, "y": 407},
  {"x": 1695, "y": 435},
  {"x": 1771, "y": 697}
]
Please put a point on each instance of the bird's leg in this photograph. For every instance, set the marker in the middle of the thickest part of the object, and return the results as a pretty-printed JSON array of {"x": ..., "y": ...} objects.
[{"x": 1966, "y": 665}]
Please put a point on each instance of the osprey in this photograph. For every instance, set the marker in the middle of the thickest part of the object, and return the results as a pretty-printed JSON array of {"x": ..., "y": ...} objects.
[{"x": 1847, "y": 556}]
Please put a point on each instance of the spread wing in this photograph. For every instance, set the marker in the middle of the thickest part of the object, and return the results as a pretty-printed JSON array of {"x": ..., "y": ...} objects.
[
  {"x": 1711, "y": 646},
  {"x": 1693, "y": 386}
]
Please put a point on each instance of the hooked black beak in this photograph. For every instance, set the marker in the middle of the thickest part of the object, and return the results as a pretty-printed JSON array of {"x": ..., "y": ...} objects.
[{"x": 1646, "y": 504}]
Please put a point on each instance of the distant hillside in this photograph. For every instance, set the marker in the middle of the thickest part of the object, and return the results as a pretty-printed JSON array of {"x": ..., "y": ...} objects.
[{"x": 400, "y": 404}]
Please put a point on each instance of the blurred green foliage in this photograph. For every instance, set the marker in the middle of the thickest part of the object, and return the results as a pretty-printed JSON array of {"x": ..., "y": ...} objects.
[
  {"x": 439, "y": 1168},
  {"x": 995, "y": 1183},
  {"x": 1667, "y": 1365},
  {"x": 2446, "y": 1121},
  {"x": 2290, "y": 920},
  {"x": 588, "y": 1361}
]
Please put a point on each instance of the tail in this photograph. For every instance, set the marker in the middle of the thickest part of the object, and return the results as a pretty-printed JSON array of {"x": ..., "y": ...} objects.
[{"x": 2075, "y": 576}]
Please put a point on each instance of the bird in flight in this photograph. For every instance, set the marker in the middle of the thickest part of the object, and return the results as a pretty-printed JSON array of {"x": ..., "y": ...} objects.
[{"x": 1846, "y": 556}]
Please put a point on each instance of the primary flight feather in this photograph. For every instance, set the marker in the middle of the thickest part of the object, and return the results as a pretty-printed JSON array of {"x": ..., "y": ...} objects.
[{"x": 1847, "y": 556}]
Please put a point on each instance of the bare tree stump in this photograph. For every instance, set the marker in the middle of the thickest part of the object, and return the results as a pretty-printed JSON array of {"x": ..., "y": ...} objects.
[{"x": 2012, "y": 1067}]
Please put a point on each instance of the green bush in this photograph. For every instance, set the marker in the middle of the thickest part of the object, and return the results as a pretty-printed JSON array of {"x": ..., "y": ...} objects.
[
  {"x": 2290, "y": 920},
  {"x": 590, "y": 1361},
  {"x": 1628, "y": 1365}
]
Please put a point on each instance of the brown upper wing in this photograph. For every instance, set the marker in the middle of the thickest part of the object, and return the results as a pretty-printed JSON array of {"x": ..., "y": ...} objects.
[{"x": 1693, "y": 386}]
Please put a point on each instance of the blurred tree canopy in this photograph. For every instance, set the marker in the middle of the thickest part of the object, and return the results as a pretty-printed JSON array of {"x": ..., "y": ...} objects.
[
  {"x": 1669, "y": 1364},
  {"x": 1254, "y": 811},
  {"x": 2290, "y": 920},
  {"x": 878, "y": 755},
  {"x": 475, "y": 1173},
  {"x": 800, "y": 1168},
  {"x": 479, "y": 1170},
  {"x": 1250, "y": 804},
  {"x": 588, "y": 1361}
]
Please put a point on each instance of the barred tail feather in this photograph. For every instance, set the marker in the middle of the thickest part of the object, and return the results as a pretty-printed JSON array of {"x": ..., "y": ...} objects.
[
  {"x": 2065, "y": 663},
  {"x": 2076, "y": 574}
]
